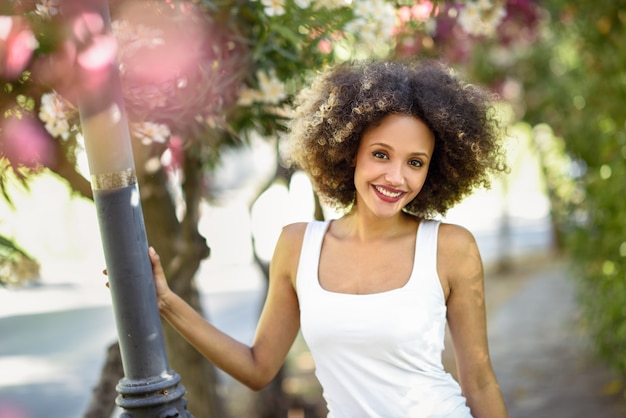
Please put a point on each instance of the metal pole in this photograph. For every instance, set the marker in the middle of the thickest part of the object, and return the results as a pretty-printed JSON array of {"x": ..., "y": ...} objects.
[{"x": 149, "y": 388}]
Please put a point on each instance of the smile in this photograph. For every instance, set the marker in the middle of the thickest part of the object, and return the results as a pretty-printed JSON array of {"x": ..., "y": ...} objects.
[{"x": 387, "y": 193}]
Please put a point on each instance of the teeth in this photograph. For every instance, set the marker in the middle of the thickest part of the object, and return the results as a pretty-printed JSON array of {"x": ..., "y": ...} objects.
[{"x": 387, "y": 192}]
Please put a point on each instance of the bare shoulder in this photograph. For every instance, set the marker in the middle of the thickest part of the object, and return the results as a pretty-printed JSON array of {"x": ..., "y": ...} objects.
[
  {"x": 294, "y": 230},
  {"x": 455, "y": 237},
  {"x": 458, "y": 256},
  {"x": 290, "y": 239},
  {"x": 287, "y": 252}
]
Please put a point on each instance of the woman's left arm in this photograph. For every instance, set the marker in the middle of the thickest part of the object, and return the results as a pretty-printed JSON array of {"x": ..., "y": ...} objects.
[{"x": 461, "y": 270}]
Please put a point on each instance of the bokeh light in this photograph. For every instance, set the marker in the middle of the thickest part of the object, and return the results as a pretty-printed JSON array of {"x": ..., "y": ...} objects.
[
  {"x": 17, "y": 44},
  {"x": 24, "y": 142}
]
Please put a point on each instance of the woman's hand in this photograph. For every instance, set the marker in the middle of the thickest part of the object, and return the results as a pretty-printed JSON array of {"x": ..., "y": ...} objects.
[{"x": 160, "y": 281}]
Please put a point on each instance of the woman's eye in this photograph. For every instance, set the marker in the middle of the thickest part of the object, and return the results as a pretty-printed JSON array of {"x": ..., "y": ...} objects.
[
  {"x": 379, "y": 154},
  {"x": 416, "y": 163}
]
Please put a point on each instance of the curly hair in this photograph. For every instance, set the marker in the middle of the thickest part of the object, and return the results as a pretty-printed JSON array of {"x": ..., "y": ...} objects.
[{"x": 331, "y": 116}]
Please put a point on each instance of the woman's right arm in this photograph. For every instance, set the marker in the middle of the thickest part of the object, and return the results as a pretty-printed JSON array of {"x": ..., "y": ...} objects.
[{"x": 256, "y": 365}]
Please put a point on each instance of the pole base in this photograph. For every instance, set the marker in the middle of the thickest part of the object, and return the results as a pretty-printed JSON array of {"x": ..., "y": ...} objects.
[{"x": 152, "y": 398}]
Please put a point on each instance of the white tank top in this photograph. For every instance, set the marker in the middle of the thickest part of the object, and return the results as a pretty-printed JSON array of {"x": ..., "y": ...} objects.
[{"x": 379, "y": 355}]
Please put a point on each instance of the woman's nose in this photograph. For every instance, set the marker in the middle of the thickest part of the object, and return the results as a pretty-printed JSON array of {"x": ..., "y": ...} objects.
[{"x": 394, "y": 174}]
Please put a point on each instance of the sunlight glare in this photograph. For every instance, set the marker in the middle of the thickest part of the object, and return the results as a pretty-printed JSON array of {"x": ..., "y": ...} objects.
[
  {"x": 6, "y": 23},
  {"x": 134, "y": 198},
  {"x": 301, "y": 201},
  {"x": 268, "y": 216},
  {"x": 18, "y": 43},
  {"x": 87, "y": 25},
  {"x": 279, "y": 206},
  {"x": 100, "y": 54},
  {"x": 19, "y": 370}
]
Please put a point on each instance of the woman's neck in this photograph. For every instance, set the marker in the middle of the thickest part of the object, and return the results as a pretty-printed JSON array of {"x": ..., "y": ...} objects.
[{"x": 361, "y": 227}]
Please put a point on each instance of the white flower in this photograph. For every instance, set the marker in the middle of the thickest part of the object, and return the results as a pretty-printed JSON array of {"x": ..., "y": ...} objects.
[
  {"x": 272, "y": 89},
  {"x": 484, "y": 4},
  {"x": 493, "y": 18},
  {"x": 274, "y": 7},
  {"x": 303, "y": 4},
  {"x": 148, "y": 36},
  {"x": 47, "y": 8},
  {"x": 481, "y": 17},
  {"x": 53, "y": 114},
  {"x": 123, "y": 30},
  {"x": 149, "y": 132},
  {"x": 134, "y": 37},
  {"x": 374, "y": 22},
  {"x": 469, "y": 18},
  {"x": 330, "y": 4},
  {"x": 247, "y": 96}
]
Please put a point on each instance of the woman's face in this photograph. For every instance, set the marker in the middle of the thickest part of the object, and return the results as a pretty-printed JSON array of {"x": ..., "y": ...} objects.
[{"x": 392, "y": 163}]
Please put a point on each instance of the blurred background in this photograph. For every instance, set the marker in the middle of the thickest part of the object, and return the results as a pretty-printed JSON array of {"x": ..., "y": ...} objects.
[{"x": 207, "y": 87}]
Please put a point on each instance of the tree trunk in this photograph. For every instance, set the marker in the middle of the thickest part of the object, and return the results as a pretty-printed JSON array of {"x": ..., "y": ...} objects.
[
  {"x": 182, "y": 248},
  {"x": 198, "y": 376},
  {"x": 103, "y": 397},
  {"x": 272, "y": 402}
]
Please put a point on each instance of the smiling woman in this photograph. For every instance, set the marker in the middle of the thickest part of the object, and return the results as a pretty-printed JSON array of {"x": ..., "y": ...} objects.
[
  {"x": 391, "y": 144},
  {"x": 392, "y": 163},
  {"x": 335, "y": 111}
]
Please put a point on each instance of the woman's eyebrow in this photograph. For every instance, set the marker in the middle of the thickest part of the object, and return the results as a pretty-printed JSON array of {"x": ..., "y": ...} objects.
[{"x": 384, "y": 145}]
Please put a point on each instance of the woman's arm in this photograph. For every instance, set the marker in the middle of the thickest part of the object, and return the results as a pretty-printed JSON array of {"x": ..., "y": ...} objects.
[
  {"x": 256, "y": 365},
  {"x": 460, "y": 266}
]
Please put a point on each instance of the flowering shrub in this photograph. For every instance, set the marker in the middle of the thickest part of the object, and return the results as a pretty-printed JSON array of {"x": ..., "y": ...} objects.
[{"x": 192, "y": 68}]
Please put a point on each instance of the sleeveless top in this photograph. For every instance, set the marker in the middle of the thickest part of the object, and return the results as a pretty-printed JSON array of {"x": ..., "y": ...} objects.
[{"x": 379, "y": 355}]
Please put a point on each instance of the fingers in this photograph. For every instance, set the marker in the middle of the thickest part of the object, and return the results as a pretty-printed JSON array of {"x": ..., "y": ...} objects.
[{"x": 157, "y": 268}]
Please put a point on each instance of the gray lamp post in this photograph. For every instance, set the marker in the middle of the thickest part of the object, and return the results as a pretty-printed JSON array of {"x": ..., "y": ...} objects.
[{"x": 149, "y": 388}]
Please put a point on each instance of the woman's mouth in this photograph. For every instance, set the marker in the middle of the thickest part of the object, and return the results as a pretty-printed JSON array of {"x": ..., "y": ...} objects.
[{"x": 387, "y": 194}]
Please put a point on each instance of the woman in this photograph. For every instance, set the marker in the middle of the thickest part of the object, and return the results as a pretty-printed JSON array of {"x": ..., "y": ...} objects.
[{"x": 394, "y": 145}]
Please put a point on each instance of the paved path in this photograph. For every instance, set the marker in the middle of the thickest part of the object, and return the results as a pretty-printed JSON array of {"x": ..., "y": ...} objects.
[
  {"x": 541, "y": 355},
  {"x": 50, "y": 361}
]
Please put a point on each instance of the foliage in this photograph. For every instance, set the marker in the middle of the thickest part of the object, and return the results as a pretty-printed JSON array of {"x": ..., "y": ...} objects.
[
  {"x": 232, "y": 65},
  {"x": 17, "y": 267},
  {"x": 575, "y": 81}
]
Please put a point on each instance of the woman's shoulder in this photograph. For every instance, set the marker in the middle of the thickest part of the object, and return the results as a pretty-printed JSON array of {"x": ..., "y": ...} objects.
[
  {"x": 294, "y": 231},
  {"x": 453, "y": 234},
  {"x": 457, "y": 246},
  {"x": 458, "y": 253},
  {"x": 287, "y": 251},
  {"x": 290, "y": 240}
]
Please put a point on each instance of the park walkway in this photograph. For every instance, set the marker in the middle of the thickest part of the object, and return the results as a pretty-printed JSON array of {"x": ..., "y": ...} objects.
[{"x": 541, "y": 354}]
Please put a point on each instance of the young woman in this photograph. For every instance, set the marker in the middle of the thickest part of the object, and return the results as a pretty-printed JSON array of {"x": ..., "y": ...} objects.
[{"x": 394, "y": 145}]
